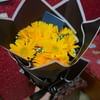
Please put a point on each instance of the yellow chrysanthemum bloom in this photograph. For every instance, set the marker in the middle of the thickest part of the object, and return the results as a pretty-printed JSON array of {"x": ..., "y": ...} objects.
[
  {"x": 71, "y": 40},
  {"x": 23, "y": 49},
  {"x": 42, "y": 43}
]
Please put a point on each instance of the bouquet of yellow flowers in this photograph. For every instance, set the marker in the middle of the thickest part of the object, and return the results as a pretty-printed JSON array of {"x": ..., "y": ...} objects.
[
  {"x": 41, "y": 43},
  {"x": 45, "y": 49}
]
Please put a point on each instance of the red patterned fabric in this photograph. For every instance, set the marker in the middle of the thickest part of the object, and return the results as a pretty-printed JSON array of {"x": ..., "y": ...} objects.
[
  {"x": 9, "y": 7},
  {"x": 91, "y": 8},
  {"x": 13, "y": 84},
  {"x": 53, "y": 2},
  {"x": 93, "y": 55}
]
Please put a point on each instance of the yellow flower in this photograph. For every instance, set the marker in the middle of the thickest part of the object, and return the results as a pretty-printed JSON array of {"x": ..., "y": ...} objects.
[
  {"x": 42, "y": 43},
  {"x": 23, "y": 49},
  {"x": 41, "y": 59},
  {"x": 71, "y": 40}
]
